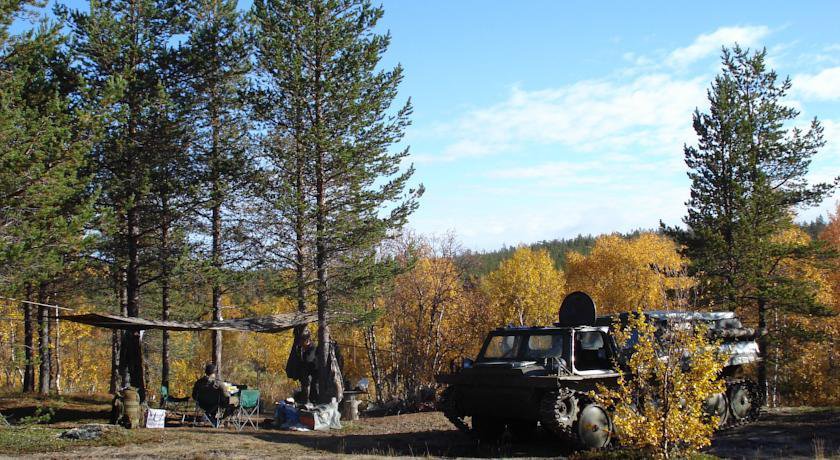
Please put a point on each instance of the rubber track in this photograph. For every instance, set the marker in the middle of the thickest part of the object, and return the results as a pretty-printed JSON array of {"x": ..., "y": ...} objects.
[
  {"x": 755, "y": 410},
  {"x": 550, "y": 414}
]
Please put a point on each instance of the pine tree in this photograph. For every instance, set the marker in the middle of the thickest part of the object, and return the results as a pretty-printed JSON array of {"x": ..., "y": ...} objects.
[
  {"x": 45, "y": 194},
  {"x": 747, "y": 178},
  {"x": 172, "y": 190},
  {"x": 119, "y": 45},
  {"x": 334, "y": 113},
  {"x": 218, "y": 65}
]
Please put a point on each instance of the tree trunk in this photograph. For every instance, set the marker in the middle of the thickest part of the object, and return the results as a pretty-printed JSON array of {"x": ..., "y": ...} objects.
[
  {"x": 132, "y": 272},
  {"x": 14, "y": 369},
  {"x": 217, "y": 288},
  {"x": 321, "y": 269},
  {"x": 133, "y": 354},
  {"x": 28, "y": 343},
  {"x": 300, "y": 235},
  {"x": 44, "y": 383},
  {"x": 762, "y": 349},
  {"x": 164, "y": 294},
  {"x": 373, "y": 358},
  {"x": 117, "y": 378},
  {"x": 57, "y": 363},
  {"x": 322, "y": 300},
  {"x": 131, "y": 360},
  {"x": 216, "y": 217}
]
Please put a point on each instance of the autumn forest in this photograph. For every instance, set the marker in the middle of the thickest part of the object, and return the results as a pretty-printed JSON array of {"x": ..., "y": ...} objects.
[{"x": 192, "y": 161}]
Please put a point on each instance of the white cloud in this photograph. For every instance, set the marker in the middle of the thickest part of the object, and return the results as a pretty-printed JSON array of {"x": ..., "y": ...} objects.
[
  {"x": 651, "y": 112},
  {"x": 564, "y": 213},
  {"x": 638, "y": 108},
  {"x": 464, "y": 148},
  {"x": 553, "y": 170},
  {"x": 709, "y": 44},
  {"x": 832, "y": 136},
  {"x": 824, "y": 85},
  {"x": 596, "y": 155}
]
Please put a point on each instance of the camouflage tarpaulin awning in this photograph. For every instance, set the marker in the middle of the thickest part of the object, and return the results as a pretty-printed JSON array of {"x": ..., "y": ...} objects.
[{"x": 274, "y": 323}]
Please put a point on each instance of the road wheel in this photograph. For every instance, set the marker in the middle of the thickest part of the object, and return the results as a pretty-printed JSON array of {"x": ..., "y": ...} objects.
[
  {"x": 489, "y": 429},
  {"x": 522, "y": 430},
  {"x": 718, "y": 405},
  {"x": 741, "y": 403},
  {"x": 594, "y": 427}
]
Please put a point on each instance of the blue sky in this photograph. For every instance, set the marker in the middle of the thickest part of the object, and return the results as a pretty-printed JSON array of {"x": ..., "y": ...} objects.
[{"x": 543, "y": 119}]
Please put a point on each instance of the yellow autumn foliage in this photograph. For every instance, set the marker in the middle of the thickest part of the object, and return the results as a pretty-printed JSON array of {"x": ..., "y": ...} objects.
[
  {"x": 436, "y": 313},
  {"x": 806, "y": 356},
  {"x": 255, "y": 359},
  {"x": 623, "y": 274},
  {"x": 526, "y": 289},
  {"x": 419, "y": 317},
  {"x": 85, "y": 356},
  {"x": 658, "y": 406}
]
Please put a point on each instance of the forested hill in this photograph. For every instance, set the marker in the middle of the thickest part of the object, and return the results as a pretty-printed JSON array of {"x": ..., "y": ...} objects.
[{"x": 480, "y": 263}]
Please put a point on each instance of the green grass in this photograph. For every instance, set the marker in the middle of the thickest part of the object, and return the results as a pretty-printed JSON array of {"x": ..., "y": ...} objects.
[{"x": 34, "y": 439}]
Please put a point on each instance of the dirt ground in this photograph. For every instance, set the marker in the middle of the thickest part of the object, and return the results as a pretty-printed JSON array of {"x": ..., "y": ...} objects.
[
  {"x": 798, "y": 432},
  {"x": 783, "y": 433}
]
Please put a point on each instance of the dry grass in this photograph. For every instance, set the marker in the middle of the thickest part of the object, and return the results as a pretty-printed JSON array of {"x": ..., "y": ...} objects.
[{"x": 787, "y": 432}]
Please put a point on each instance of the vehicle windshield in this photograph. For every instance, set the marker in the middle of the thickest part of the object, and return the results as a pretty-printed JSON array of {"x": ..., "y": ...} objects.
[
  {"x": 524, "y": 347},
  {"x": 503, "y": 347}
]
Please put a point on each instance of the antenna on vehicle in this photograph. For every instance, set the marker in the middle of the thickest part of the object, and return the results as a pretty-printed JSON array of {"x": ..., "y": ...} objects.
[{"x": 577, "y": 309}]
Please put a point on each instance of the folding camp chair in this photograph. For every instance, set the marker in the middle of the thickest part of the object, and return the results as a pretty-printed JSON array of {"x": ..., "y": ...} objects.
[
  {"x": 200, "y": 416},
  {"x": 248, "y": 410},
  {"x": 173, "y": 404}
]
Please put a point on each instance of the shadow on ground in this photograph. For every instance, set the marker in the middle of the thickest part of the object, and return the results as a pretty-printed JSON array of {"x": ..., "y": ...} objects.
[
  {"x": 430, "y": 443},
  {"x": 783, "y": 433},
  {"x": 53, "y": 410}
]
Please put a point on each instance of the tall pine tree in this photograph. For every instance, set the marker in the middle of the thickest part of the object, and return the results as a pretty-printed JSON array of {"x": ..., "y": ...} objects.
[
  {"x": 334, "y": 112},
  {"x": 118, "y": 45},
  {"x": 173, "y": 185},
  {"x": 218, "y": 65},
  {"x": 45, "y": 193},
  {"x": 747, "y": 179}
]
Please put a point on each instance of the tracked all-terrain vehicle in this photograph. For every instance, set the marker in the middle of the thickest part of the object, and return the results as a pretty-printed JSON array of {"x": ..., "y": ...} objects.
[{"x": 525, "y": 377}]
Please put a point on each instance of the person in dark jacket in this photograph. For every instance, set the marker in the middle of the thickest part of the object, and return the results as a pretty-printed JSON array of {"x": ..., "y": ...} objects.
[
  {"x": 211, "y": 394},
  {"x": 303, "y": 367}
]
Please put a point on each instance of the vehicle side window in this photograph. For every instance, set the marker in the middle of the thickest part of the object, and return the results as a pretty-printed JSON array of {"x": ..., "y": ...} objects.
[
  {"x": 544, "y": 346},
  {"x": 591, "y": 351}
]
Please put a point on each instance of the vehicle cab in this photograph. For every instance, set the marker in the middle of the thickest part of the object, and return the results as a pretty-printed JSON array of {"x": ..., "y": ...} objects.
[{"x": 584, "y": 350}]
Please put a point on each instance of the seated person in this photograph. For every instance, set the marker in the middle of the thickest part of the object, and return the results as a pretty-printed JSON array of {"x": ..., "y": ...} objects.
[{"x": 211, "y": 394}]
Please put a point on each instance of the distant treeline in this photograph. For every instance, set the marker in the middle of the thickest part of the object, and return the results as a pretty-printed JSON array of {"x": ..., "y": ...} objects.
[{"x": 484, "y": 262}]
